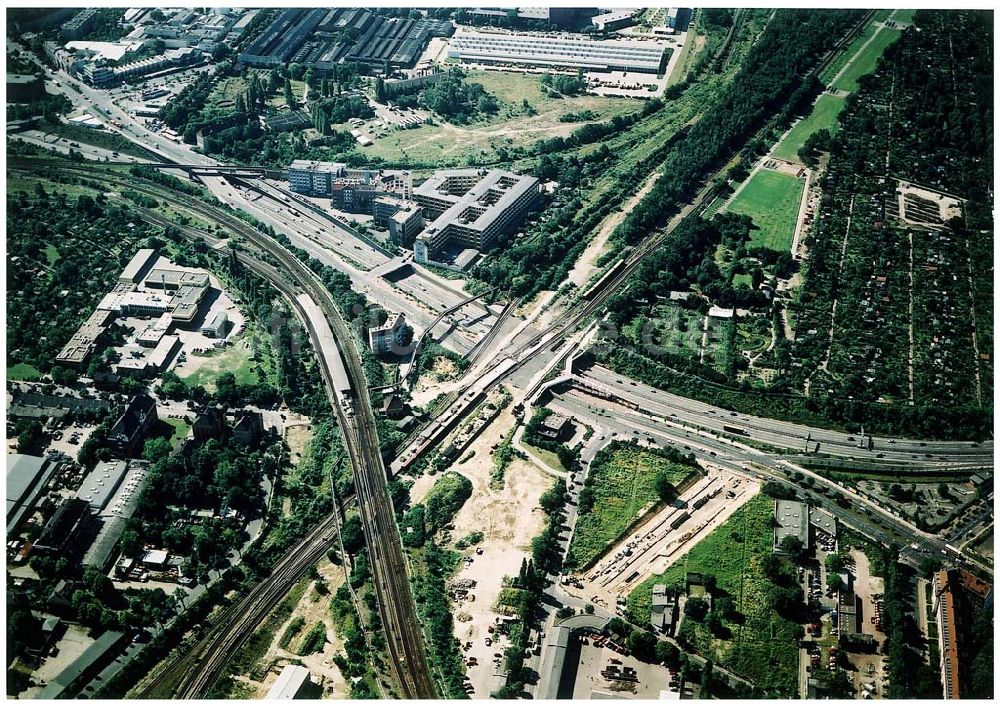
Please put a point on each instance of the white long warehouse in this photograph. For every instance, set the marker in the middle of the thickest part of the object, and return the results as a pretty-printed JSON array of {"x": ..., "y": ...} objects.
[{"x": 558, "y": 51}]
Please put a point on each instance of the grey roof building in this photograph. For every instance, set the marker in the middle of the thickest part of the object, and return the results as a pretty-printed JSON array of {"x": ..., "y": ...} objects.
[
  {"x": 78, "y": 674},
  {"x": 791, "y": 519},
  {"x": 27, "y": 476}
]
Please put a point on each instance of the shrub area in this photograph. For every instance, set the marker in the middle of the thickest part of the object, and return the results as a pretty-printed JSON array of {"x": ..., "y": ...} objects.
[{"x": 625, "y": 480}]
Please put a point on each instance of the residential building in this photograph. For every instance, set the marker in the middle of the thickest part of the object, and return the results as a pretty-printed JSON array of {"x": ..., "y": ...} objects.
[
  {"x": 403, "y": 219},
  {"x": 471, "y": 208},
  {"x": 389, "y": 337},
  {"x": 79, "y": 25},
  {"x": 958, "y": 597},
  {"x": 128, "y": 434},
  {"x": 209, "y": 424},
  {"x": 248, "y": 427},
  {"x": 663, "y": 610},
  {"x": 558, "y": 51},
  {"x": 349, "y": 189}
]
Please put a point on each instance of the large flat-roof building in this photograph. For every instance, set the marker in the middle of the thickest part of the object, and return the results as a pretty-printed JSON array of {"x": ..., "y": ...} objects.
[
  {"x": 791, "y": 519},
  {"x": 293, "y": 682},
  {"x": 100, "y": 485},
  {"x": 471, "y": 208},
  {"x": 85, "y": 340},
  {"x": 558, "y": 51},
  {"x": 27, "y": 476}
]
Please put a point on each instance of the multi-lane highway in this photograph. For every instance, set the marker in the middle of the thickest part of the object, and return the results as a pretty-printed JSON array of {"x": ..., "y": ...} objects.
[{"x": 790, "y": 436}]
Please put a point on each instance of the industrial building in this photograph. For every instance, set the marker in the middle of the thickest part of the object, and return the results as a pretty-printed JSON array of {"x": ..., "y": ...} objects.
[
  {"x": 471, "y": 209},
  {"x": 611, "y": 21},
  {"x": 85, "y": 340},
  {"x": 216, "y": 326},
  {"x": 138, "y": 266},
  {"x": 78, "y": 674},
  {"x": 320, "y": 38},
  {"x": 293, "y": 682},
  {"x": 791, "y": 519},
  {"x": 389, "y": 337},
  {"x": 101, "y": 484},
  {"x": 558, "y": 51},
  {"x": 27, "y": 477}
]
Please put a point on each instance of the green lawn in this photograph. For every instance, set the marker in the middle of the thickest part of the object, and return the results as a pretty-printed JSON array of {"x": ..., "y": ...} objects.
[
  {"x": 180, "y": 430},
  {"x": 51, "y": 254},
  {"x": 622, "y": 479},
  {"x": 235, "y": 359},
  {"x": 865, "y": 62},
  {"x": 763, "y": 646},
  {"x": 23, "y": 372},
  {"x": 824, "y": 115},
  {"x": 772, "y": 200}
]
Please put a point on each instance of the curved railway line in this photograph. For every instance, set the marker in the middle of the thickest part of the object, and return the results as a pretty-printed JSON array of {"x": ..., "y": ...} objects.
[{"x": 405, "y": 649}]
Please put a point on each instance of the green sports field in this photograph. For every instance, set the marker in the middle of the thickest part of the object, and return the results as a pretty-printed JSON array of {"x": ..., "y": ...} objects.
[
  {"x": 824, "y": 115},
  {"x": 772, "y": 200}
]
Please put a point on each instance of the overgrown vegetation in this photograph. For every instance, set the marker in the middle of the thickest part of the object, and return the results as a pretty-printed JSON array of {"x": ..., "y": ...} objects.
[{"x": 625, "y": 481}]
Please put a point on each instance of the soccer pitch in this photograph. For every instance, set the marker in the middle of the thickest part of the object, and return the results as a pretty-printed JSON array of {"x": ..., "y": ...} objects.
[{"x": 772, "y": 200}]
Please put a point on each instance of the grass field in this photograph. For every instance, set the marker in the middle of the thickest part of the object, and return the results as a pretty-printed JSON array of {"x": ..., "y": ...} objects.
[
  {"x": 449, "y": 144},
  {"x": 772, "y": 200},
  {"x": 23, "y": 372},
  {"x": 180, "y": 430},
  {"x": 763, "y": 646},
  {"x": 824, "y": 115},
  {"x": 865, "y": 62},
  {"x": 51, "y": 254},
  {"x": 235, "y": 359},
  {"x": 622, "y": 480}
]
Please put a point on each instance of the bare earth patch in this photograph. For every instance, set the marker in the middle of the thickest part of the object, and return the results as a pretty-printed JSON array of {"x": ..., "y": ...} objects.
[{"x": 314, "y": 608}]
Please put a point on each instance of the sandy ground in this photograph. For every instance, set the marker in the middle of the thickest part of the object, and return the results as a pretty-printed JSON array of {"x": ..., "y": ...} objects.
[
  {"x": 509, "y": 519},
  {"x": 70, "y": 647},
  {"x": 320, "y": 665},
  {"x": 297, "y": 435},
  {"x": 865, "y": 585},
  {"x": 585, "y": 266},
  {"x": 442, "y": 378}
]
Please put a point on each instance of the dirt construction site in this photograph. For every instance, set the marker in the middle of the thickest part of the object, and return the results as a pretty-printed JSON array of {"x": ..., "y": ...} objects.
[{"x": 663, "y": 538}]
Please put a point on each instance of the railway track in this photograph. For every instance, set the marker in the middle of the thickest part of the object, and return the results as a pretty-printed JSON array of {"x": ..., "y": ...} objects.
[{"x": 407, "y": 658}]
